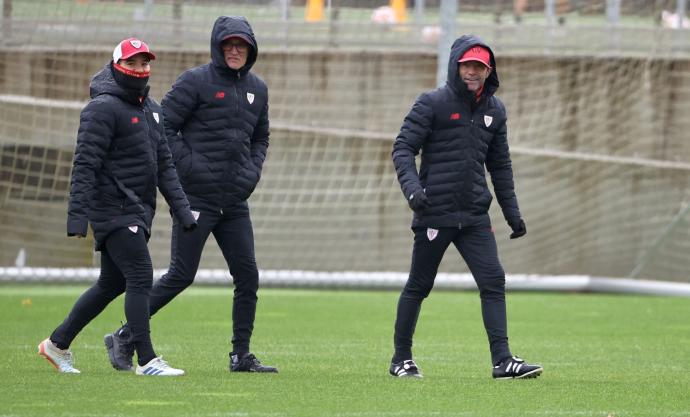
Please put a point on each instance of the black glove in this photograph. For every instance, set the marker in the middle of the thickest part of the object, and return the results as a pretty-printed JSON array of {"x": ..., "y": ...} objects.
[
  {"x": 518, "y": 226},
  {"x": 190, "y": 227},
  {"x": 418, "y": 201}
]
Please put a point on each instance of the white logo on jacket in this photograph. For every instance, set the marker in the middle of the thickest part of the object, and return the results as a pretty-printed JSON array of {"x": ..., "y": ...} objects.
[
  {"x": 488, "y": 120},
  {"x": 155, "y": 116},
  {"x": 250, "y": 98},
  {"x": 134, "y": 229},
  {"x": 431, "y": 233}
]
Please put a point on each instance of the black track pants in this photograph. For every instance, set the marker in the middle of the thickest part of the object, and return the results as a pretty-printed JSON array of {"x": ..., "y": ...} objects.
[
  {"x": 477, "y": 246},
  {"x": 125, "y": 267},
  {"x": 233, "y": 232}
]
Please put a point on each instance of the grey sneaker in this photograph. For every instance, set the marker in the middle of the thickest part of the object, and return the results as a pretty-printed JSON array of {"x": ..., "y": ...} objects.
[{"x": 120, "y": 349}]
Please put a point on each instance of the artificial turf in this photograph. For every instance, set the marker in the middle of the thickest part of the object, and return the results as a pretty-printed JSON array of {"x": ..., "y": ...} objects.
[{"x": 603, "y": 355}]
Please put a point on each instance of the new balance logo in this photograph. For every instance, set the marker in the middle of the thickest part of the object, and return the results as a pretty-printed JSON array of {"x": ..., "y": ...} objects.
[
  {"x": 220, "y": 94},
  {"x": 455, "y": 116}
]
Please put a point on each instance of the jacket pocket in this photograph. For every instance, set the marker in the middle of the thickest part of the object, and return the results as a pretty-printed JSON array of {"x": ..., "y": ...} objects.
[{"x": 182, "y": 157}]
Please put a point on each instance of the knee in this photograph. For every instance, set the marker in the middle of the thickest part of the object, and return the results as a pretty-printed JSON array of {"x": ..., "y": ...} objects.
[
  {"x": 245, "y": 274},
  {"x": 248, "y": 282},
  {"x": 176, "y": 276},
  {"x": 493, "y": 287},
  {"x": 417, "y": 290},
  {"x": 111, "y": 286},
  {"x": 140, "y": 281}
]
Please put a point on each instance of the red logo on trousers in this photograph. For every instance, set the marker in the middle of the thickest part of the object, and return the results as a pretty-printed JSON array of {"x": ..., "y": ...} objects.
[
  {"x": 135, "y": 119},
  {"x": 455, "y": 116},
  {"x": 220, "y": 94}
]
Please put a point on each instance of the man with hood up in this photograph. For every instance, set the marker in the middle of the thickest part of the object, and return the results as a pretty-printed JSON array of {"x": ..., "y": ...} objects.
[
  {"x": 120, "y": 159},
  {"x": 216, "y": 122},
  {"x": 460, "y": 129}
]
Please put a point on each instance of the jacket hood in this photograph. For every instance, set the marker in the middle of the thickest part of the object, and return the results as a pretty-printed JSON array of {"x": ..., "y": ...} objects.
[
  {"x": 224, "y": 27},
  {"x": 460, "y": 46},
  {"x": 103, "y": 82}
]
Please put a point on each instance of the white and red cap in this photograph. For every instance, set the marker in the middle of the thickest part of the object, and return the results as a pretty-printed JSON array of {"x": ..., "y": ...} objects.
[
  {"x": 477, "y": 53},
  {"x": 130, "y": 47}
]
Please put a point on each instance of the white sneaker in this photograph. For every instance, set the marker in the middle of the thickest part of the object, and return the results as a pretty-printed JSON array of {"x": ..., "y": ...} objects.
[
  {"x": 61, "y": 359},
  {"x": 158, "y": 367}
]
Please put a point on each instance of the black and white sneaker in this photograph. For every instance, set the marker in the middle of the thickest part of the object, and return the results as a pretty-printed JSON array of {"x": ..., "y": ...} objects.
[
  {"x": 247, "y": 362},
  {"x": 120, "y": 348},
  {"x": 516, "y": 368},
  {"x": 405, "y": 369}
]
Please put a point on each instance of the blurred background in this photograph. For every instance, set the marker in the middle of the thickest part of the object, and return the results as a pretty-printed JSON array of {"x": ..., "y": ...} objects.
[{"x": 597, "y": 92}]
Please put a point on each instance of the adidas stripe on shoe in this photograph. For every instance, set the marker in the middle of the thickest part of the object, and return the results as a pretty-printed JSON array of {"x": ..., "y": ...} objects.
[
  {"x": 62, "y": 360},
  {"x": 516, "y": 368},
  {"x": 405, "y": 369},
  {"x": 158, "y": 367}
]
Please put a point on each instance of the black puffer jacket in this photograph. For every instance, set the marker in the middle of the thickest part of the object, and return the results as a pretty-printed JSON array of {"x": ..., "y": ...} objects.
[
  {"x": 458, "y": 137},
  {"x": 120, "y": 159},
  {"x": 216, "y": 121}
]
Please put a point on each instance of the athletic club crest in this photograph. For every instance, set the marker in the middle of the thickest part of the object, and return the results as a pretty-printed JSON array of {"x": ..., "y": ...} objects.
[
  {"x": 250, "y": 98},
  {"x": 136, "y": 43},
  {"x": 488, "y": 120},
  {"x": 155, "y": 116},
  {"x": 431, "y": 233}
]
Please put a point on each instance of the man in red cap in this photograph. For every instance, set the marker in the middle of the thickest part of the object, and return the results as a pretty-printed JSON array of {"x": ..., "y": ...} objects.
[
  {"x": 460, "y": 129},
  {"x": 216, "y": 122},
  {"x": 120, "y": 158}
]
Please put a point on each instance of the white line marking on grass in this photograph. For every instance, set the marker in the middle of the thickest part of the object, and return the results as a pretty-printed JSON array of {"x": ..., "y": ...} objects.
[
  {"x": 156, "y": 403},
  {"x": 404, "y": 413}
]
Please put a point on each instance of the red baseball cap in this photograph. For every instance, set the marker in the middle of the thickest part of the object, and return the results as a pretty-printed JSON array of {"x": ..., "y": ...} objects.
[
  {"x": 477, "y": 53},
  {"x": 130, "y": 47}
]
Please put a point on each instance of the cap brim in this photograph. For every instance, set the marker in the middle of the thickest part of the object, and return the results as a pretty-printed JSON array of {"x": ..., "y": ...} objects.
[
  {"x": 149, "y": 54},
  {"x": 238, "y": 36},
  {"x": 474, "y": 59}
]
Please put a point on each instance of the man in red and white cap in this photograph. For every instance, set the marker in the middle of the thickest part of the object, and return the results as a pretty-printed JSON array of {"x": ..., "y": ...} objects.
[
  {"x": 216, "y": 122},
  {"x": 121, "y": 157},
  {"x": 461, "y": 131}
]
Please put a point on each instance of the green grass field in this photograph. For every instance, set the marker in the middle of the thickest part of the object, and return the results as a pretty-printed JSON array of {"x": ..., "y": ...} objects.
[{"x": 604, "y": 355}]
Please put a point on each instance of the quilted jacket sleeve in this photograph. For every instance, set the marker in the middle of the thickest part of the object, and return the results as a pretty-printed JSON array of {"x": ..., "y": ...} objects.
[
  {"x": 415, "y": 130},
  {"x": 500, "y": 168},
  {"x": 178, "y": 104},
  {"x": 96, "y": 130}
]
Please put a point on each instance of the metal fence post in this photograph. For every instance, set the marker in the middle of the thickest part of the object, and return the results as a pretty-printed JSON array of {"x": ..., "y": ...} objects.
[
  {"x": 613, "y": 14},
  {"x": 419, "y": 12},
  {"x": 681, "y": 5},
  {"x": 6, "y": 20},
  {"x": 550, "y": 11},
  {"x": 449, "y": 12},
  {"x": 613, "y": 11},
  {"x": 148, "y": 9}
]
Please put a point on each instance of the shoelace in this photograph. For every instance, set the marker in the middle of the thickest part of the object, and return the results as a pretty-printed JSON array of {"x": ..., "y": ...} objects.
[
  {"x": 162, "y": 364},
  {"x": 67, "y": 358},
  {"x": 128, "y": 350}
]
